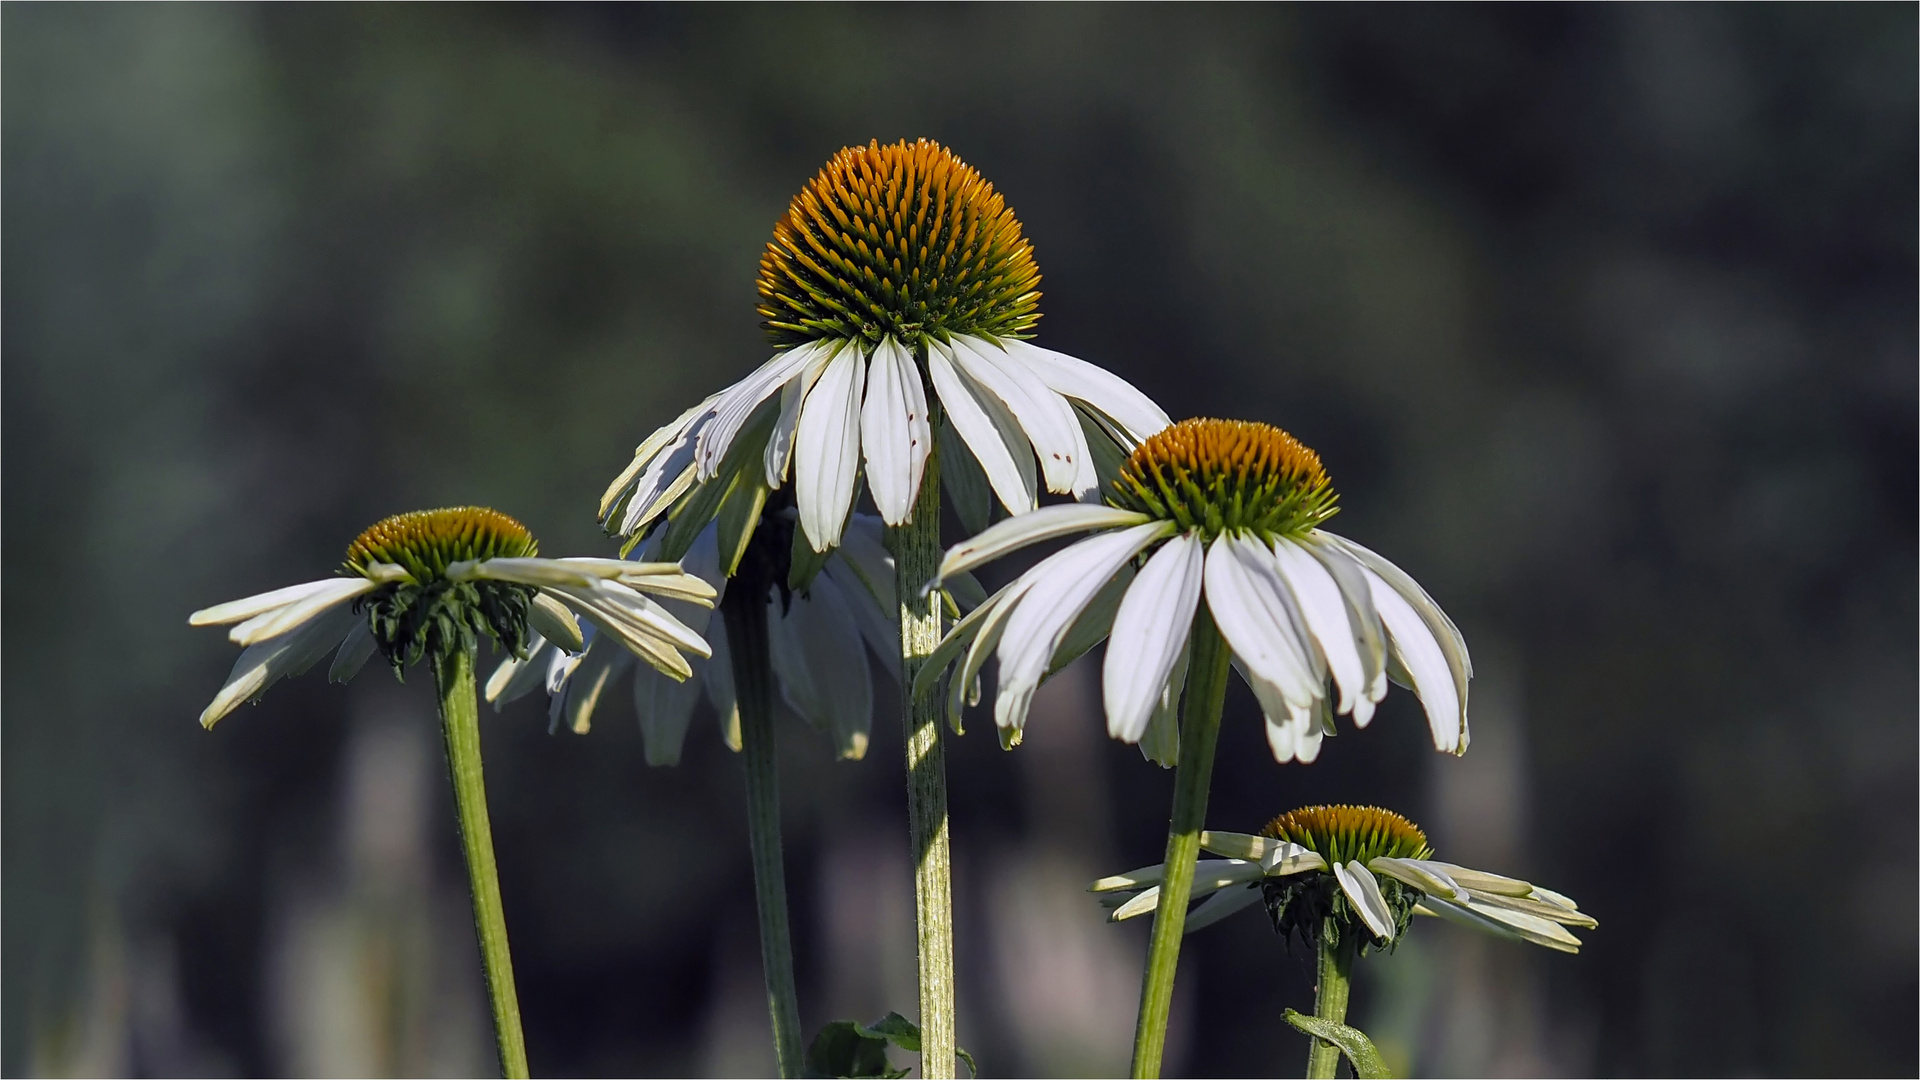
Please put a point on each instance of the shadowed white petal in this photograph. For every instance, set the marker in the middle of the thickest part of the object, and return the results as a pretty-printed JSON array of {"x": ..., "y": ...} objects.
[
  {"x": 551, "y": 620},
  {"x": 880, "y": 633},
  {"x": 1064, "y": 584},
  {"x": 894, "y": 434},
  {"x": 1370, "y": 635},
  {"x": 649, "y": 450},
  {"x": 1445, "y": 634},
  {"x": 353, "y": 653},
  {"x": 866, "y": 556},
  {"x": 1318, "y": 597},
  {"x": 966, "y": 485},
  {"x": 1221, "y": 905},
  {"x": 1244, "y": 592},
  {"x": 1131, "y": 409},
  {"x": 718, "y": 681},
  {"x": 639, "y": 623},
  {"x": 665, "y": 709},
  {"x": 1161, "y": 743},
  {"x": 1132, "y": 879},
  {"x": 670, "y": 473},
  {"x": 826, "y": 458},
  {"x": 737, "y": 403},
  {"x": 1149, "y": 632},
  {"x": 998, "y": 444},
  {"x": 1530, "y": 928},
  {"x": 515, "y": 678},
  {"x": 523, "y": 571},
  {"x": 262, "y": 664},
  {"x": 779, "y": 452},
  {"x": 1413, "y": 645},
  {"x": 1364, "y": 892},
  {"x": 272, "y": 624},
  {"x": 1140, "y": 905},
  {"x": 822, "y": 666},
  {"x": 599, "y": 666},
  {"x": 959, "y": 637},
  {"x": 1045, "y": 416},
  {"x": 1046, "y": 523}
]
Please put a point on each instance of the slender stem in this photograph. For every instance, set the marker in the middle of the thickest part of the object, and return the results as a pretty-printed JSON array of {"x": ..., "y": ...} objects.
[
  {"x": 916, "y": 558},
  {"x": 1199, "y": 729},
  {"x": 744, "y": 608},
  {"x": 460, "y": 720},
  {"x": 1330, "y": 1002}
]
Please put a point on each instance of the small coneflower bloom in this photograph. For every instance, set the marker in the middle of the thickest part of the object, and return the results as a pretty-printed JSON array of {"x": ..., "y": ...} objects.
[
  {"x": 432, "y": 582},
  {"x": 1228, "y": 511},
  {"x": 1351, "y": 869},
  {"x": 897, "y": 271},
  {"x": 819, "y": 636}
]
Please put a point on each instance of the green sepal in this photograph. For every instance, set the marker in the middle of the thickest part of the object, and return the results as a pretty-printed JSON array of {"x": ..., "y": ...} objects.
[
  {"x": 965, "y": 480},
  {"x": 739, "y": 515},
  {"x": 1351, "y": 1040},
  {"x": 804, "y": 564},
  {"x": 844, "y": 1048}
]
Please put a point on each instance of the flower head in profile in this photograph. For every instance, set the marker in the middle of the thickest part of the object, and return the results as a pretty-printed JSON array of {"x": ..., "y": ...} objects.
[
  {"x": 1229, "y": 512},
  {"x": 431, "y": 583},
  {"x": 820, "y": 631},
  {"x": 1337, "y": 871},
  {"x": 898, "y": 292}
]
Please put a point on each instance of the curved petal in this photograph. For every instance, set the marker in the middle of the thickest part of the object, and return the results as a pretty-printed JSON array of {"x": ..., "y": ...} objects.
[
  {"x": 1325, "y": 613},
  {"x": 1077, "y": 379},
  {"x": 265, "y": 662},
  {"x": 1413, "y": 645},
  {"x": 1364, "y": 893},
  {"x": 1428, "y": 879},
  {"x": 894, "y": 434},
  {"x": 1149, "y": 632},
  {"x": 648, "y": 452},
  {"x": 248, "y": 607},
  {"x": 880, "y": 633},
  {"x": 718, "y": 680},
  {"x": 541, "y": 573},
  {"x": 989, "y": 430},
  {"x": 738, "y": 402},
  {"x": 827, "y": 449},
  {"x": 822, "y": 666},
  {"x": 1064, "y": 584},
  {"x": 599, "y": 666},
  {"x": 779, "y": 452},
  {"x": 1244, "y": 592},
  {"x": 1046, "y": 523},
  {"x": 1161, "y": 743},
  {"x": 552, "y": 621},
  {"x": 354, "y": 652},
  {"x": 516, "y": 678},
  {"x": 1045, "y": 416},
  {"x": 665, "y": 708},
  {"x": 1222, "y": 904},
  {"x": 670, "y": 473},
  {"x": 1445, "y": 634},
  {"x": 283, "y": 619},
  {"x": 1370, "y": 635}
]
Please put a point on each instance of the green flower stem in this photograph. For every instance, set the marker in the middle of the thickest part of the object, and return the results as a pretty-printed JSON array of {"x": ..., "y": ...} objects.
[
  {"x": 745, "y": 611},
  {"x": 1199, "y": 730},
  {"x": 916, "y": 558},
  {"x": 1334, "y": 980},
  {"x": 460, "y": 720}
]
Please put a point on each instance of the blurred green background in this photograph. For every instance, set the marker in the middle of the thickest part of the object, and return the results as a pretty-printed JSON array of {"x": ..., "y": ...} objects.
[{"x": 1603, "y": 319}]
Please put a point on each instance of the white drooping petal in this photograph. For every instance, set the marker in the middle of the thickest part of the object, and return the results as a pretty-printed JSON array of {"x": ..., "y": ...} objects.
[
  {"x": 1529, "y": 928},
  {"x": 639, "y": 623},
  {"x": 1105, "y": 391},
  {"x": 515, "y": 678},
  {"x": 1046, "y": 523},
  {"x": 1325, "y": 613},
  {"x": 1161, "y": 743},
  {"x": 552, "y": 621},
  {"x": 826, "y": 457},
  {"x": 1370, "y": 635},
  {"x": 1445, "y": 634},
  {"x": 665, "y": 709},
  {"x": 737, "y": 403},
  {"x": 354, "y": 652},
  {"x": 779, "y": 453},
  {"x": 647, "y": 454},
  {"x": 864, "y": 554},
  {"x": 989, "y": 430},
  {"x": 964, "y": 686},
  {"x": 263, "y": 663},
  {"x": 524, "y": 571},
  {"x": 894, "y": 434},
  {"x": 718, "y": 681},
  {"x": 1220, "y": 905},
  {"x": 1044, "y": 415},
  {"x": 597, "y": 669},
  {"x": 1364, "y": 894},
  {"x": 248, "y": 607},
  {"x": 880, "y": 633},
  {"x": 822, "y": 666},
  {"x": 1063, "y": 586},
  {"x": 672, "y": 581},
  {"x": 1413, "y": 645},
  {"x": 1149, "y": 632},
  {"x": 285, "y": 618},
  {"x": 1277, "y": 858},
  {"x": 1247, "y": 598},
  {"x": 1424, "y": 876},
  {"x": 670, "y": 473}
]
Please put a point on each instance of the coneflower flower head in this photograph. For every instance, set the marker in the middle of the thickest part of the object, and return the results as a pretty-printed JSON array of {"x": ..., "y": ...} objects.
[
  {"x": 1338, "y": 873},
  {"x": 1218, "y": 476},
  {"x": 897, "y": 290},
  {"x": 427, "y": 611}
]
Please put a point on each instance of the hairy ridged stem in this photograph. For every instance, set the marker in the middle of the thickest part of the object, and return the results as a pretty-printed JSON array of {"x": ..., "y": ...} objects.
[
  {"x": 745, "y": 611},
  {"x": 460, "y": 720},
  {"x": 916, "y": 558},
  {"x": 1199, "y": 730},
  {"x": 1334, "y": 978}
]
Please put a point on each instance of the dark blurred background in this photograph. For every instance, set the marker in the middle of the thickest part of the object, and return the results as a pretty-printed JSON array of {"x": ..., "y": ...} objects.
[{"x": 1603, "y": 319}]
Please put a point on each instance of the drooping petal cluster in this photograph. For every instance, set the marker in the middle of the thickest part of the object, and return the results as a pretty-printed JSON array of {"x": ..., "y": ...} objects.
[
  {"x": 439, "y": 577},
  {"x": 1317, "y": 624},
  {"x": 898, "y": 289},
  {"x": 819, "y": 638},
  {"x": 1374, "y": 885}
]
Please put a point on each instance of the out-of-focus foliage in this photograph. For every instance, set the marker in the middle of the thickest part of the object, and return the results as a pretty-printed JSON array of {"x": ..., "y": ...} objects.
[{"x": 1602, "y": 318}]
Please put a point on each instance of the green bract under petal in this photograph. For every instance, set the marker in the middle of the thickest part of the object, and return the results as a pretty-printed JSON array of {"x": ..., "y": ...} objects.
[
  {"x": 1227, "y": 476},
  {"x": 904, "y": 240}
]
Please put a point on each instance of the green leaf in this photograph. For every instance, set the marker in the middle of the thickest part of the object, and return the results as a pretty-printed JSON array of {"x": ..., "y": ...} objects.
[
  {"x": 1351, "y": 1040},
  {"x": 844, "y": 1048},
  {"x": 898, "y": 1030}
]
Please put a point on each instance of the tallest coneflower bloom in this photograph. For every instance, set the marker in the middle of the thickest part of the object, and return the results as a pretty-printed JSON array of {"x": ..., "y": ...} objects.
[{"x": 898, "y": 291}]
